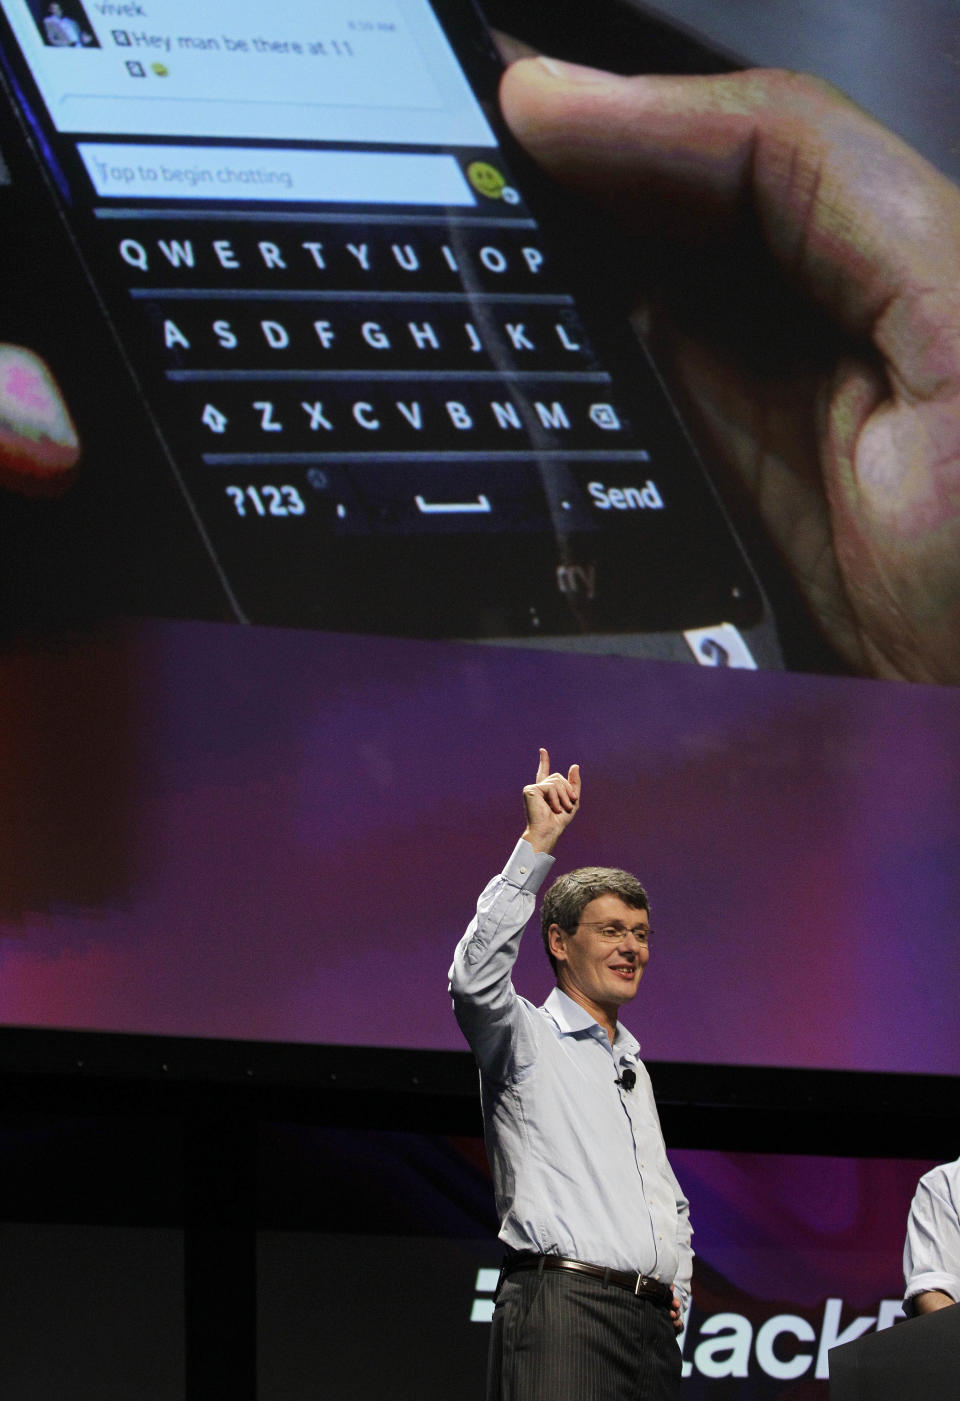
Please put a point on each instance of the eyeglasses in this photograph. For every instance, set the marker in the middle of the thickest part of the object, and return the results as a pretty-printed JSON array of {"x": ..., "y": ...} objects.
[{"x": 613, "y": 933}]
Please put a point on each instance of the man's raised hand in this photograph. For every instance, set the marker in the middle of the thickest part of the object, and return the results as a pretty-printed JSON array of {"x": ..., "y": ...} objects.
[{"x": 551, "y": 804}]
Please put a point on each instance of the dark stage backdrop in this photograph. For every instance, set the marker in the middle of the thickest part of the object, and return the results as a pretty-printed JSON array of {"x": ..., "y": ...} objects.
[
  {"x": 794, "y": 1254},
  {"x": 376, "y": 1262}
]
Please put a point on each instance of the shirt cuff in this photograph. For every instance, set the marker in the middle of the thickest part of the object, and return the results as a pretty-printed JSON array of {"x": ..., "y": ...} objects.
[
  {"x": 527, "y": 869},
  {"x": 933, "y": 1279}
]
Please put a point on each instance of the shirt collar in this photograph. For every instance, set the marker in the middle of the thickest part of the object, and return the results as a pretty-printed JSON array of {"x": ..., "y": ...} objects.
[{"x": 570, "y": 1018}]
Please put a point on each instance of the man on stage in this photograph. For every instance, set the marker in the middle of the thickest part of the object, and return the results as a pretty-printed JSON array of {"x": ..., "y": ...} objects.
[{"x": 597, "y": 1270}]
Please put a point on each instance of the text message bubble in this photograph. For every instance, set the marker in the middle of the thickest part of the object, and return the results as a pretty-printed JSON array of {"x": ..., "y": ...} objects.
[{"x": 325, "y": 70}]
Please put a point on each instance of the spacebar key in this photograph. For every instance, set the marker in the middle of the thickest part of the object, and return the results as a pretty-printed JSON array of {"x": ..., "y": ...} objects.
[
  {"x": 468, "y": 494},
  {"x": 454, "y": 508}
]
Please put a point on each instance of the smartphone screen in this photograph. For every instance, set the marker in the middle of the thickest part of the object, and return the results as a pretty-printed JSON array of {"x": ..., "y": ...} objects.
[{"x": 379, "y": 381}]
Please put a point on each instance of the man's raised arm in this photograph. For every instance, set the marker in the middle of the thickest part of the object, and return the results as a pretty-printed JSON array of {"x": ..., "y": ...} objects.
[{"x": 490, "y": 1014}]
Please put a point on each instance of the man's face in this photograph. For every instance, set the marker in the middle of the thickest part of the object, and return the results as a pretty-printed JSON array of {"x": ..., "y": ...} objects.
[{"x": 596, "y": 969}]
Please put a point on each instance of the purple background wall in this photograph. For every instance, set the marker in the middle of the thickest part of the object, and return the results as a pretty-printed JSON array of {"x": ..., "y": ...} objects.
[{"x": 227, "y": 832}]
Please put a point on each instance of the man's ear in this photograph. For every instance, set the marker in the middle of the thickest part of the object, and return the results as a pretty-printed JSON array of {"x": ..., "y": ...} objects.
[{"x": 556, "y": 941}]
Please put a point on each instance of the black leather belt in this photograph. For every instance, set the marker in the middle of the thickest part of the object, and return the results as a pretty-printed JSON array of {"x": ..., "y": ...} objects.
[{"x": 641, "y": 1285}]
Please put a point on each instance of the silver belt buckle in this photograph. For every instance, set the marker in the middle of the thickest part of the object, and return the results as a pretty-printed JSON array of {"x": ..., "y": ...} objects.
[{"x": 636, "y": 1287}]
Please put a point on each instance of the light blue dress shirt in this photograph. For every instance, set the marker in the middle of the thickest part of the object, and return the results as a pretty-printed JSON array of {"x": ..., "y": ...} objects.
[
  {"x": 579, "y": 1164},
  {"x": 931, "y": 1251}
]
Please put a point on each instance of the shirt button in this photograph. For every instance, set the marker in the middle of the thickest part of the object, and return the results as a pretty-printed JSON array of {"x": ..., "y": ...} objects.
[{"x": 523, "y": 870}]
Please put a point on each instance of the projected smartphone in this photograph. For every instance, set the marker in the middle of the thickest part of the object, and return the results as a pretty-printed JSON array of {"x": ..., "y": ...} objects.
[{"x": 389, "y": 397}]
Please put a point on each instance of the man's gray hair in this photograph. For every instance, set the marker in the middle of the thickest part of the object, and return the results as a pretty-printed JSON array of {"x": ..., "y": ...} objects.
[{"x": 568, "y": 897}]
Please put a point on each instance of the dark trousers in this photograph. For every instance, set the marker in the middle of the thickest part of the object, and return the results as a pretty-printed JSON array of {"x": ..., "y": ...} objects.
[{"x": 566, "y": 1337}]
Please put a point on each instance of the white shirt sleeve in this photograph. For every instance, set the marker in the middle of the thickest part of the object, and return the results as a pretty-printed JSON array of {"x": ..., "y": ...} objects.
[
  {"x": 931, "y": 1252},
  {"x": 490, "y": 1013}
]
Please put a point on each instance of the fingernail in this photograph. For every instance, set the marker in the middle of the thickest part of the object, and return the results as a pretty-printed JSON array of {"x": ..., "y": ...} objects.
[
  {"x": 38, "y": 442},
  {"x": 573, "y": 72}
]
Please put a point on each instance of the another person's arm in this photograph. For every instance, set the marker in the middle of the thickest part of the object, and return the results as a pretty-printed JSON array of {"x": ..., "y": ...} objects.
[
  {"x": 931, "y": 1300},
  {"x": 807, "y": 311},
  {"x": 931, "y": 1251}
]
